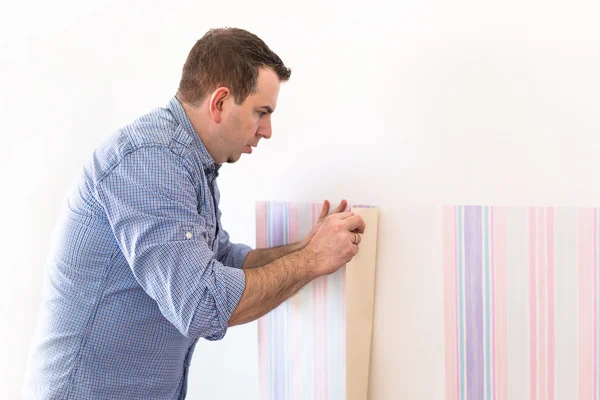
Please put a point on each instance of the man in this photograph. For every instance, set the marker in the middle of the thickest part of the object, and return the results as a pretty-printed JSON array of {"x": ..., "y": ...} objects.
[{"x": 142, "y": 267}]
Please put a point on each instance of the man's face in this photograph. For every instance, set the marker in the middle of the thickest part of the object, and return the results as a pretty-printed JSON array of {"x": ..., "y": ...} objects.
[{"x": 247, "y": 123}]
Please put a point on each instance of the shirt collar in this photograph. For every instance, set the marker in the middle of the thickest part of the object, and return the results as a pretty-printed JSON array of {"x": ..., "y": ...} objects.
[{"x": 182, "y": 119}]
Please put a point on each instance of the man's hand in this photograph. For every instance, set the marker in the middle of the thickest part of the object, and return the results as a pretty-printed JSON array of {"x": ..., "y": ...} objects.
[
  {"x": 331, "y": 247},
  {"x": 261, "y": 257},
  {"x": 336, "y": 242},
  {"x": 324, "y": 213}
]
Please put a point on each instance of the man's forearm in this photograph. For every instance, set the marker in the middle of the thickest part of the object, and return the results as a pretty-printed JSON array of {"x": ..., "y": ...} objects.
[
  {"x": 334, "y": 244},
  {"x": 261, "y": 257},
  {"x": 270, "y": 285}
]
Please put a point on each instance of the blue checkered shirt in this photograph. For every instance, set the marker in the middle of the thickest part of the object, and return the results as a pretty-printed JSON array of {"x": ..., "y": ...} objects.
[{"x": 139, "y": 270}]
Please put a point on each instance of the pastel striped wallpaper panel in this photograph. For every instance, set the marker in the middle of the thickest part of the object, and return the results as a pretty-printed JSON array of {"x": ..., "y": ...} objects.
[
  {"x": 302, "y": 343},
  {"x": 521, "y": 306},
  {"x": 521, "y": 303}
]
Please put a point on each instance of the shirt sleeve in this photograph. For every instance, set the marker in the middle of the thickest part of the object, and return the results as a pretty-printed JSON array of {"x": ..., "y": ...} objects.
[
  {"x": 231, "y": 254},
  {"x": 151, "y": 204}
]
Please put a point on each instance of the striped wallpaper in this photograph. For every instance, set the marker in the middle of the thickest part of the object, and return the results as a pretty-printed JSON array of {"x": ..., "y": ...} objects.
[
  {"x": 302, "y": 350},
  {"x": 520, "y": 306},
  {"x": 521, "y": 303}
]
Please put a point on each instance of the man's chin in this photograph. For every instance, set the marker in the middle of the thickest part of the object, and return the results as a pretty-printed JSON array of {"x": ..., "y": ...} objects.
[{"x": 232, "y": 160}]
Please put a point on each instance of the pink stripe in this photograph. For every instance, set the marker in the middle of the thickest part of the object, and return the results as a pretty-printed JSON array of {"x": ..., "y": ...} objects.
[
  {"x": 456, "y": 278},
  {"x": 263, "y": 328},
  {"x": 551, "y": 332},
  {"x": 261, "y": 225},
  {"x": 586, "y": 312},
  {"x": 316, "y": 320},
  {"x": 500, "y": 307},
  {"x": 532, "y": 307},
  {"x": 263, "y": 359},
  {"x": 450, "y": 303},
  {"x": 315, "y": 211},
  {"x": 294, "y": 324},
  {"x": 541, "y": 235},
  {"x": 296, "y": 349}
]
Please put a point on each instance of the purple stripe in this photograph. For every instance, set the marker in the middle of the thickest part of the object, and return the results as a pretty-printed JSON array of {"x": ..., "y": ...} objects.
[
  {"x": 278, "y": 320},
  {"x": 474, "y": 302},
  {"x": 277, "y": 217}
]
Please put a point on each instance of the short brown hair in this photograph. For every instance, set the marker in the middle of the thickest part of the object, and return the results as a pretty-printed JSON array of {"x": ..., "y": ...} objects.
[{"x": 229, "y": 57}]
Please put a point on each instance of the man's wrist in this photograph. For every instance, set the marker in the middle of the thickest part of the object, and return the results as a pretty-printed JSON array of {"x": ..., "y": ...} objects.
[
  {"x": 307, "y": 261},
  {"x": 298, "y": 246}
]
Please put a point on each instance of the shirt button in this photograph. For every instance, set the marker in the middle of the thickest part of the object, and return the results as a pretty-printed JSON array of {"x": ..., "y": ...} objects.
[{"x": 188, "y": 235}]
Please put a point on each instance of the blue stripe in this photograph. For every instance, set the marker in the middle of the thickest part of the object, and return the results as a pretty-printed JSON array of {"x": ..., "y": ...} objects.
[
  {"x": 461, "y": 303},
  {"x": 487, "y": 302}
]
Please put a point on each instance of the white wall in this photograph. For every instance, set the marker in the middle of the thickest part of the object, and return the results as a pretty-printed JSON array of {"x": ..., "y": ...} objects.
[{"x": 389, "y": 103}]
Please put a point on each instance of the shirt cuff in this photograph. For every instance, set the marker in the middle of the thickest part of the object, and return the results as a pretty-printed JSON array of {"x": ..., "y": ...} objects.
[
  {"x": 240, "y": 252},
  {"x": 235, "y": 281}
]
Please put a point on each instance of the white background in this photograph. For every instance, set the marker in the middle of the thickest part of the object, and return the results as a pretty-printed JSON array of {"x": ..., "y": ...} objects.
[{"x": 390, "y": 103}]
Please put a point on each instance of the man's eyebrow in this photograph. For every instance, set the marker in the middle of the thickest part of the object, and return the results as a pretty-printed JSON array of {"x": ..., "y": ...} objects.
[{"x": 268, "y": 108}]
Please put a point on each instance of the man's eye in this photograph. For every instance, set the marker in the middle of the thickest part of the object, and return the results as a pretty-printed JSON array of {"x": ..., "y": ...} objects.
[{"x": 262, "y": 113}]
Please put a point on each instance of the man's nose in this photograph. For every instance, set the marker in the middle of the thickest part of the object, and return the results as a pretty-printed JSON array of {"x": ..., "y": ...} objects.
[{"x": 265, "y": 130}]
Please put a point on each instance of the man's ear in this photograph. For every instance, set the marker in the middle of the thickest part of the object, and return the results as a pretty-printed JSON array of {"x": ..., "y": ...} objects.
[{"x": 216, "y": 103}]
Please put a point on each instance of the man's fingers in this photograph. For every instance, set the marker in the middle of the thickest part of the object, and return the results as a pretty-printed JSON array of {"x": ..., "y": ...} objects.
[
  {"x": 324, "y": 210},
  {"x": 342, "y": 215},
  {"x": 355, "y": 223},
  {"x": 326, "y": 205},
  {"x": 355, "y": 238},
  {"x": 341, "y": 207}
]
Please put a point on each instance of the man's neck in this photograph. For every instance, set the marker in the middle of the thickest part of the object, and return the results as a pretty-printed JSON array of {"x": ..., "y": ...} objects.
[{"x": 198, "y": 122}]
